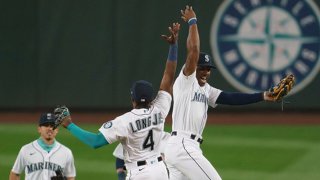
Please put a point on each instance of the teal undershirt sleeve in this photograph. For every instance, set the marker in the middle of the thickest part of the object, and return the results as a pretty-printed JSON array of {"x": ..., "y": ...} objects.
[{"x": 91, "y": 139}]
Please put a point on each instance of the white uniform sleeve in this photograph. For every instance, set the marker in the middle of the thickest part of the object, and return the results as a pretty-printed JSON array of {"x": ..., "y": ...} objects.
[
  {"x": 20, "y": 163},
  {"x": 118, "y": 152},
  {"x": 164, "y": 140},
  {"x": 183, "y": 83},
  {"x": 113, "y": 130},
  {"x": 213, "y": 96},
  {"x": 70, "y": 170},
  {"x": 163, "y": 102}
]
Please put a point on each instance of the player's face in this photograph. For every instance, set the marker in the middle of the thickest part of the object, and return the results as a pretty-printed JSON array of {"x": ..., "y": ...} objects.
[
  {"x": 203, "y": 74},
  {"x": 47, "y": 132}
]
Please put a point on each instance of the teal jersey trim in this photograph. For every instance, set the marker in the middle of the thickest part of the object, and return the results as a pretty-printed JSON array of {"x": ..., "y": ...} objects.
[{"x": 44, "y": 146}]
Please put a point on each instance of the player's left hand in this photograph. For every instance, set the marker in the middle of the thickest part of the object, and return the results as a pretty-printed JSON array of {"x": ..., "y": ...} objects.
[
  {"x": 59, "y": 176},
  {"x": 174, "y": 34},
  {"x": 62, "y": 116},
  {"x": 279, "y": 91}
]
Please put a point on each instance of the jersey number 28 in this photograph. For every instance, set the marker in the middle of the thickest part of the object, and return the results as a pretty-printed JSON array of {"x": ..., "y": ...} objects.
[{"x": 148, "y": 142}]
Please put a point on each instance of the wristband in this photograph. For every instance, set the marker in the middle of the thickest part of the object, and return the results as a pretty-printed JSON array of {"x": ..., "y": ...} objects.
[
  {"x": 192, "y": 21},
  {"x": 173, "y": 52}
]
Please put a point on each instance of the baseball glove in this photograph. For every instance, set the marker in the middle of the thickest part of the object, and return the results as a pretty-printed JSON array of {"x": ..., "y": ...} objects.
[
  {"x": 282, "y": 88},
  {"x": 60, "y": 112},
  {"x": 59, "y": 176}
]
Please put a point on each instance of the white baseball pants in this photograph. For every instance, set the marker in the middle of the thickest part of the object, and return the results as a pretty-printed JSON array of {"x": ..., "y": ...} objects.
[{"x": 185, "y": 160}]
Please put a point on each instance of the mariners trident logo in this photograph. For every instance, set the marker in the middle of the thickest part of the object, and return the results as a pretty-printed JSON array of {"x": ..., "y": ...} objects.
[{"x": 257, "y": 42}]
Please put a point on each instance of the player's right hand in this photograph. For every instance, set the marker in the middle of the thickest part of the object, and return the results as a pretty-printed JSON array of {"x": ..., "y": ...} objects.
[{"x": 188, "y": 13}]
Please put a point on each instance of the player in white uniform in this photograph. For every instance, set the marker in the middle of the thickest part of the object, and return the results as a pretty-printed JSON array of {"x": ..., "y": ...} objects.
[
  {"x": 41, "y": 158},
  {"x": 140, "y": 130},
  {"x": 191, "y": 97}
]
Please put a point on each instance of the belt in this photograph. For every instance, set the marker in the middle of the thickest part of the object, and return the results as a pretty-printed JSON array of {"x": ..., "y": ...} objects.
[
  {"x": 141, "y": 163},
  {"x": 192, "y": 136}
]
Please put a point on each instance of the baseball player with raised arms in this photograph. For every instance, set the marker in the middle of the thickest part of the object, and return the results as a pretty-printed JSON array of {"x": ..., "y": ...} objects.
[
  {"x": 43, "y": 158},
  {"x": 191, "y": 97},
  {"x": 140, "y": 130}
]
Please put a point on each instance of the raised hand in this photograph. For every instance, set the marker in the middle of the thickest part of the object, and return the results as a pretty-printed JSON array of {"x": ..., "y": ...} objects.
[
  {"x": 188, "y": 14},
  {"x": 174, "y": 33},
  {"x": 62, "y": 116}
]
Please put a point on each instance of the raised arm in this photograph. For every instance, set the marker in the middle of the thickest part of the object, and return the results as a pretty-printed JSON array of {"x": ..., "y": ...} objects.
[
  {"x": 171, "y": 64},
  {"x": 193, "y": 41},
  {"x": 63, "y": 117}
]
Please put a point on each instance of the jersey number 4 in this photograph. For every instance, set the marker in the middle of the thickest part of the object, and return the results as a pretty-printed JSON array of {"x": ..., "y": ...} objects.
[{"x": 148, "y": 142}]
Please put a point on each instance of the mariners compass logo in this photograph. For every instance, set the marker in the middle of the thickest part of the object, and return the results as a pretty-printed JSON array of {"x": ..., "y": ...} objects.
[{"x": 257, "y": 42}]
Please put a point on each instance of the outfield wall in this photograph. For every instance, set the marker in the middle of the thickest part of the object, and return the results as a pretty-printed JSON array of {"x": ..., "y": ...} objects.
[
  {"x": 267, "y": 118},
  {"x": 86, "y": 54}
]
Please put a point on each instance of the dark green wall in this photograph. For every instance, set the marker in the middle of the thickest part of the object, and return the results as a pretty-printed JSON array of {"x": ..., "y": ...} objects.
[{"x": 87, "y": 53}]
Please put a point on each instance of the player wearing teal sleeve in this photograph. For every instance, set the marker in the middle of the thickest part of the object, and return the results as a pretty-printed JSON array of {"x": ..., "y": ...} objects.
[{"x": 139, "y": 130}]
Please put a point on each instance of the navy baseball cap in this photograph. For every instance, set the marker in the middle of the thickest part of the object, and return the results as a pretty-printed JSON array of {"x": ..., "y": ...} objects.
[
  {"x": 205, "y": 60},
  {"x": 46, "y": 118},
  {"x": 142, "y": 91}
]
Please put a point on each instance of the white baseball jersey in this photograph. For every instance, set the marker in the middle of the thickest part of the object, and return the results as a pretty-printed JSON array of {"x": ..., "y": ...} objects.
[
  {"x": 118, "y": 151},
  {"x": 140, "y": 130},
  {"x": 41, "y": 165},
  {"x": 191, "y": 103},
  {"x": 183, "y": 154}
]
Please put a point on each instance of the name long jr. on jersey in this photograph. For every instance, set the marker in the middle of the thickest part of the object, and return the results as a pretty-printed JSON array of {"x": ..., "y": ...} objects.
[{"x": 146, "y": 122}]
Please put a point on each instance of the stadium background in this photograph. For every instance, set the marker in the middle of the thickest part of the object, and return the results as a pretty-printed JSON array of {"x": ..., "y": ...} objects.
[{"x": 86, "y": 54}]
